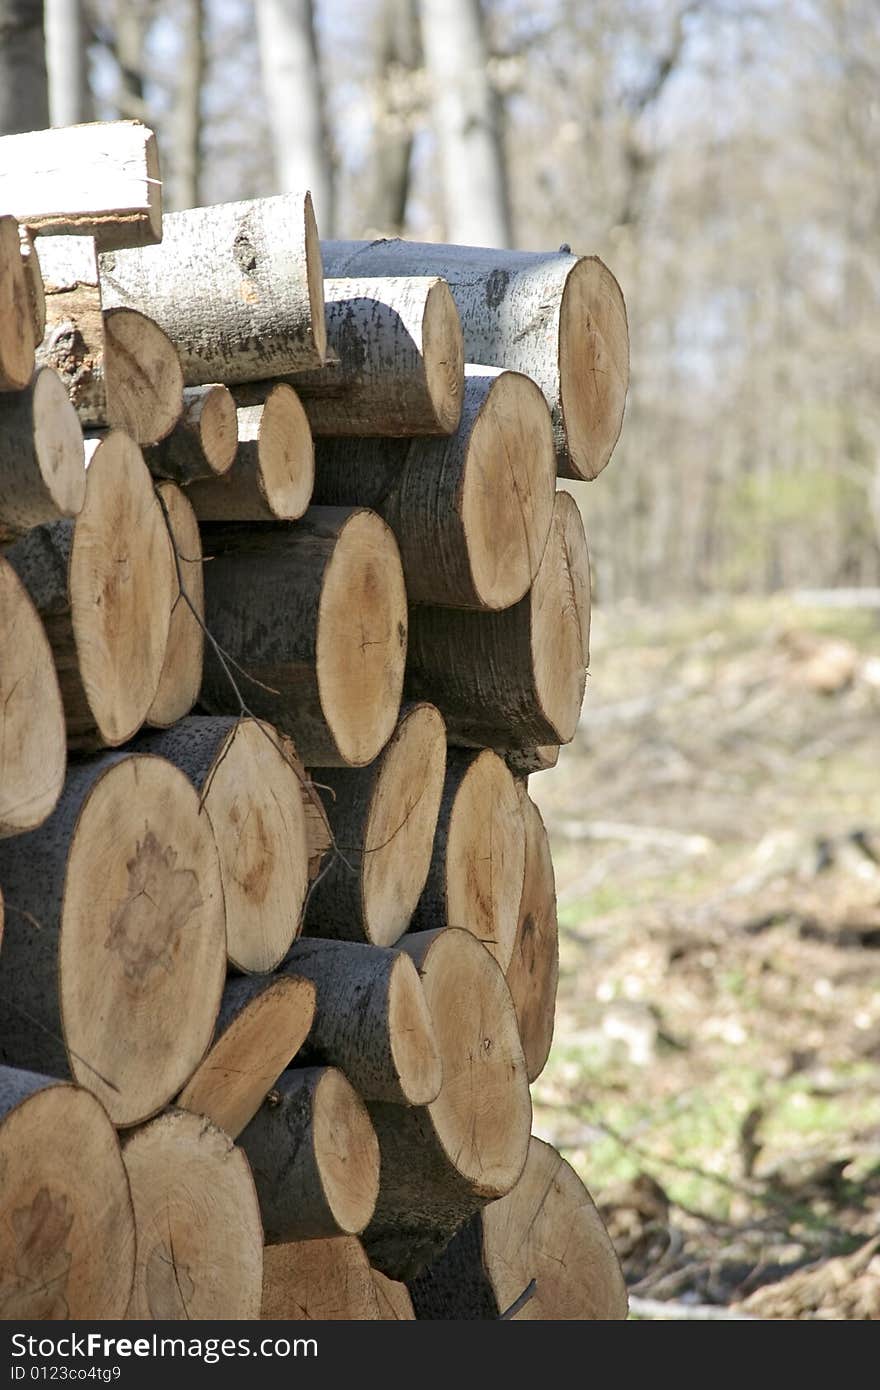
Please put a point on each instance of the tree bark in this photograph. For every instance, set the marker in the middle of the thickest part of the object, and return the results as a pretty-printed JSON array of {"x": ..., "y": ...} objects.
[
  {"x": 17, "y": 338},
  {"x": 187, "y": 140},
  {"x": 203, "y": 443},
  {"x": 317, "y": 613},
  {"x": 440, "y": 1163},
  {"x": 111, "y": 188},
  {"x": 471, "y": 512},
  {"x": 557, "y": 318},
  {"x": 263, "y": 1023},
  {"x": 42, "y": 459},
  {"x": 323, "y": 1280},
  {"x": 67, "y": 59},
  {"x": 383, "y": 818},
  {"x": 238, "y": 288},
  {"x": 513, "y": 679},
  {"x": 67, "y": 1241},
  {"x": 199, "y": 1239},
  {"x": 24, "y": 85},
  {"x": 143, "y": 375},
  {"x": 371, "y": 1020},
  {"x": 113, "y": 951},
  {"x": 314, "y": 1157},
  {"x": 533, "y": 970},
  {"x": 546, "y": 1229},
  {"x": 33, "y": 748},
  {"x": 524, "y": 761},
  {"x": 273, "y": 473},
  {"x": 252, "y": 798},
  {"x": 181, "y": 677},
  {"x": 476, "y": 875},
  {"x": 109, "y": 654}
]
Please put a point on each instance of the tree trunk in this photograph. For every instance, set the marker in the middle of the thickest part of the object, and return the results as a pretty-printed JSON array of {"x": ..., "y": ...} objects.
[
  {"x": 314, "y": 1157},
  {"x": 476, "y": 876},
  {"x": 533, "y": 971},
  {"x": 295, "y": 101},
  {"x": 371, "y": 1020},
  {"x": 111, "y": 188},
  {"x": 199, "y": 1239},
  {"x": 24, "y": 85},
  {"x": 187, "y": 118},
  {"x": 67, "y": 59},
  {"x": 33, "y": 749},
  {"x": 466, "y": 122},
  {"x": 395, "y": 85},
  {"x": 383, "y": 818},
  {"x": 512, "y": 679},
  {"x": 67, "y": 1240},
  {"x": 130, "y": 18},
  {"x": 42, "y": 460},
  {"x": 143, "y": 375},
  {"x": 109, "y": 654},
  {"x": 203, "y": 443},
  {"x": 323, "y": 1280},
  {"x": 253, "y": 801},
  {"x": 73, "y": 338},
  {"x": 546, "y": 1229},
  {"x": 442, "y": 1162},
  {"x": 395, "y": 1304},
  {"x": 471, "y": 512},
  {"x": 17, "y": 338},
  {"x": 316, "y": 612},
  {"x": 263, "y": 1023},
  {"x": 181, "y": 678},
  {"x": 400, "y": 367},
  {"x": 113, "y": 952},
  {"x": 272, "y": 476},
  {"x": 238, "y": 288},
  {"x": 557, "y": 318}
]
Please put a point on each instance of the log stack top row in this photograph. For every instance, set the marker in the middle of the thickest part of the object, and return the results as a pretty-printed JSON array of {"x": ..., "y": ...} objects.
[{"x": 289, "y": 609}]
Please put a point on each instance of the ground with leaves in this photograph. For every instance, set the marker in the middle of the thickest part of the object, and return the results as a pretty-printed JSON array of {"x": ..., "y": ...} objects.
[{"x": 715, "y": 1074}]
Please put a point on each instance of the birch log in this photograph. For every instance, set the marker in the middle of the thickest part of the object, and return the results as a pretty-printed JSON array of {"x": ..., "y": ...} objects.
[
  {"x": 237, "y": 287},
  {"x": 476, "y": 875},
  {"x": 181, "y": 676},
  {"x": 273, "y": 472},
  {"x": 104, "y": 585},
  {"x": 17, "y": 339},
  {"x": 471, "y": 512},
  {"x": 263, "y": 1023},
  {"x": 317, "y": 613},
  {"x": 99, "y": 180},
  {"x": 371, "y": 1020},
  {"x": 440, "y": 1163},
  {"x": 33, "y": 748},
  {"x": 203, "y": 443},
  {"x": 42, "y": 459},
  {"x": 512, "y": 679},
  {"x": 324, "y": 1280},
  {"x": 199, "y": 1239},
  {"x": 383, "y": 818},
  {"x": 67, "y": 1238},
  {"x": 546, "y": 1229},
  {"x": 558, "y": 318},
  {"x": 113, "y": 959},
  {"x": 533, "y": 969}
]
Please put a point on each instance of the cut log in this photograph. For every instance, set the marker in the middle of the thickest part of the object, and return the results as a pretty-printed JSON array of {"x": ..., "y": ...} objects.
[
  {"x": 476, "y": 876},
  {"x": 239, "y": 288},
  {"x": 104, "y": 586},
  {"x": 253, "y": 801},
  {"x": 316, "y": 612},
  {"x": 314, "y": 1157},
  {"x": 533, "y": 972},
  {"x": 17, "y": 339},
  {"x": 263, "y": 1023},
  {"x": 546, "y": 1229},
  {"x": 383, "y": 818},
  {"x": 42, "y": 461},
  {"x": 73, "y": 340},
  {"x": 371, "y": 1020},
  {"x": 33, "y": 748},
  {"x": 512, "y": 679},
  {"x": 204, "y": 442},
  {"x": 395, "y": 1304},
  {"x": 558, "y": 318},
  {"x": 440, "y": 1163},
  {"x": 524, "y": 761},
  {"x": 273, "y": 473},
  {"x": 34, "y": 280},
  {"x": 100, "y": 180},
  {"x": 199, "y": 1239},
  {"x": 67, "y": 1238},
  {"x": 143, "y": 376},
  {"x": 471, "y": 512},
  {"x": 113, "y": 951},
  {"x": 318, "y": 1280},
  {"x": 569, "y": 519},
  {"x": 181, "y": 677},
  {"x": 397, "y": 364}
]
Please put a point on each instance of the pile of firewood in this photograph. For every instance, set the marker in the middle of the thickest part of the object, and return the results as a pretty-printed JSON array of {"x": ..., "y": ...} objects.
[{"x": 276, "y": 975}]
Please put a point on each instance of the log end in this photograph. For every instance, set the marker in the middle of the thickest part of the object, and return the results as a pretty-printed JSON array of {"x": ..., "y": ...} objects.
[
  {"x": 315, "y": 278},
  {"x": 318, "y": 1280},
  {"x": 443, "y": 354},
  {"x": 218, "y": 428},
  {"x": 593, "y": 367},
  {"x": 58, "y": 446},
  {"x": 181, "y": 676},
  {"x": 559, "y": 629},
  {"x": 395, "y": 1304},
  {"x": 414, "y": 1052},
  {"x": 286, "y": 455},
  {"x": 144, "y": 378},
  {"x": 533, "y": 972},
  {"x": 17, "y": 340},
  {"x": 346, "y": 1152}
]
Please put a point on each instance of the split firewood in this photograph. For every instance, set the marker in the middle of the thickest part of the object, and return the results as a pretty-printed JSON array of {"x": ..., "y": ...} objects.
[{"x": 273, "y": 472}]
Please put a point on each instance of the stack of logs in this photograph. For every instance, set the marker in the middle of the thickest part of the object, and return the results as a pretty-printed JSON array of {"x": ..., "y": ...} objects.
[{"x": 276, "y": 975}]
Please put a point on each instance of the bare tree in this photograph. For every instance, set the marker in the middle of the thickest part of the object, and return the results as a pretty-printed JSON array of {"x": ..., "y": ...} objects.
[
  {"x": 67, "y": 37},
  {"x": 186, "y": 131},
  {"x": 24, "y": 87},
  {"x": 396, "y": 102},
  {"x": 130, "y": 24}
]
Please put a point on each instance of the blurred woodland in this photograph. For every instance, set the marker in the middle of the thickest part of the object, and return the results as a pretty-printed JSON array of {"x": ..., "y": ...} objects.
[{"x": 717, "y": 153}]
